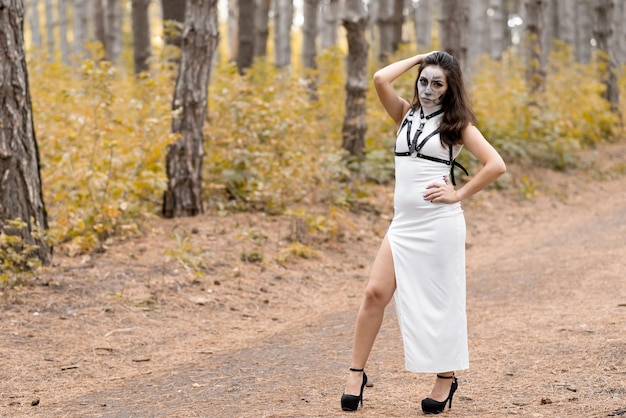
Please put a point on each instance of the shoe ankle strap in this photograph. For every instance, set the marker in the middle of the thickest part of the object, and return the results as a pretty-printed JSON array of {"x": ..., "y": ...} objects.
[
  {"x": 352, "y": 369},
  {"x": 445, "y": 377}
]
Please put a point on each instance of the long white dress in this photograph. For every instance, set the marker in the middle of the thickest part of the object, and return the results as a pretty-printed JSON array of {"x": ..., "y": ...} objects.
[{"x": 428, "y": 245}]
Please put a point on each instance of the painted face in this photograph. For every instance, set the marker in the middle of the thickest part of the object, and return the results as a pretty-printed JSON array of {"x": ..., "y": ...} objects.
[{"x": 431, "y": 86}]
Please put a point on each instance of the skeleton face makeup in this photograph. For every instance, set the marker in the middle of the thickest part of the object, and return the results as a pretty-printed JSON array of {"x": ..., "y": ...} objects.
[{"x": 431, "y": 86}]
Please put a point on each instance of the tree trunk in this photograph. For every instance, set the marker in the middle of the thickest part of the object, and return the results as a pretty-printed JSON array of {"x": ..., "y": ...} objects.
[
  {"x": 329, "y": 23},
  {"x": 385, "y": 22},
  {"x": 184, "y": 157},
  {"x": 566, "y": 12},
  {"x": 247, "y": 32},
  {"x": 498, "y": 29},
  {"x": 63, "y": 44},
  {"x": 100, "y": 26},
  {"x": 20, "y": 179},
  {"x": 354, "y": 124},
  {"x": 33, "y": 21},
  {"x": 309, "y": 33},
  {"x": 602, "y": 32},
  {"x": 113, "y": 25},
  {"x": 49, "y": 29},
  {"x": 80, "y": 26},
  {"x": 233, "y": 28},
  {"x": 423, "y": 21},
  {"x": 141, "y": 35},
  {"x": 584, "y": 30},
  {"x": 619, "y": 34},
  {"x": 262, "y": 27},
  {"x": 453, "y": 29},
  {"x": 535, "y": 71},
  {"x": 478, "y": 26},
  {"x": 173, "y": 19},
  {"x": 283, "y": 19}
]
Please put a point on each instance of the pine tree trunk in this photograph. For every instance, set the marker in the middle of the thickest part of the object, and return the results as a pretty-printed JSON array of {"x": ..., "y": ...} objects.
[
  {"x": 141, "y": 35},
  {"x": 49, "y": 29},
  {"x": 247, "y": 33},
  {"x": 354, "y": 124},
  {"x": 602, "y": 33},
  {"x": 20, "y": 180},
  {"x": 498, "y": 29},
  {"x": 584, "y": 30},
  {"x": 283, "y": 19},
  {"x": 329, "y": 23},
  {"x": 63, "y": 44},
  {"x": 100, "y": 26},
  {"x": 385, "y": 21},
  {"x": 173, "y": 19},
  {"x": 80, "y": 26},
  {"x": 184, "y": 157},
  {"x": 453, "y": 30},
  {"x": 113, "y": 25},
  {"x": 33, "y": 23},
  {"x": 233, "y": 29},
  {"x": 262, "y": 27},
  {"x": 309, "y": 33},
  {"x": 423, "y": 18},
  {"x": 535, "y": 71}
]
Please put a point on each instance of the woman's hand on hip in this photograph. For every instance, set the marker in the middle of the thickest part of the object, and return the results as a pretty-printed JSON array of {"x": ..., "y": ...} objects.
[{"x": 441, "y": 192}]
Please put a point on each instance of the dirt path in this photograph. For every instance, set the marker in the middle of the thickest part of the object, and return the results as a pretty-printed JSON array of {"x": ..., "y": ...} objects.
[{"x": 132, "y": 334}]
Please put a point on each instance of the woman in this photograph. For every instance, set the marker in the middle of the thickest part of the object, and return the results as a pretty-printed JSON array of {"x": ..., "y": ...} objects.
[{"x": 421, "y": 261}]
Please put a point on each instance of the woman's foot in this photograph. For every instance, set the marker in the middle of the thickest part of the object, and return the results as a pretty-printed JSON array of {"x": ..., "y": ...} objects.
[
  {"x": 355, "y": 379},
  {"x": 351, "y": 399},
  {"x": 441, "y": 389},
  {"x": 436, "y": 403}
]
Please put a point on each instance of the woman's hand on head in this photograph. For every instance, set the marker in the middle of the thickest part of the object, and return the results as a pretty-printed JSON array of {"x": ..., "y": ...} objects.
[{"x": 441, "y": 192}]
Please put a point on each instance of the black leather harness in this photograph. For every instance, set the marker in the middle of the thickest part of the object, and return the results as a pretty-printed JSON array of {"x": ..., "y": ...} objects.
[{"x": 415, "y": 148}]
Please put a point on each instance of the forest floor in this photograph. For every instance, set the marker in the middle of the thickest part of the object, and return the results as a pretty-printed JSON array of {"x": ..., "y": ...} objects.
[{"x": 132, "y": 333}]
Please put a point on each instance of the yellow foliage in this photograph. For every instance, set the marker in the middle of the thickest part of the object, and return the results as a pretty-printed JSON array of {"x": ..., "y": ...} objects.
[{"x": 103, "y": 135}]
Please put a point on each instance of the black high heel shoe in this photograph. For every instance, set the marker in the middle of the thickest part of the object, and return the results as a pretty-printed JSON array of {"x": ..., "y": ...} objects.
[
  {"x": 351, "y": 402},
  {"x": 431, "y": 406}
]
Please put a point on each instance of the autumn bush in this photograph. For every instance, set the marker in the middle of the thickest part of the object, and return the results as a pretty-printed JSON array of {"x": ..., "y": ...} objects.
[{"x": 103, "y": 134}]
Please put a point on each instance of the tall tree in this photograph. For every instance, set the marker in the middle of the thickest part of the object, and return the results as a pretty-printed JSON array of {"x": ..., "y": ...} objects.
[
  {"x": 602, "y": 31},
  {"x": 261, "y": 25},
  {"x": 453, "y": 29},
  {"x": 329, "y": 18},
  {"x": 173, "y": 18},
  {"x": 535, "y": 67},
  {"x": 200, "y": 36},
  {"x": 63, "y": 44},
  {"x": 309, "y": 42},
  {"x": 423, "y": 22},
  {"x": 498, "y": 29},
  {"x": 50, "y": 43},
  {"x": 100, "y": 24},
  {"x": 80, "y": 26},
  {"x": 246, "y": 31},
  {"x": 20, "y": 183},
  {"x": 389, "y": 22},
  {"x": 283, "y": 20},
  {"x": 141, "y": 35},
  {"x": 33, "y": 23},
  {"x": 113, "y": 29},
  {"x": 233, "y": 28},
  {"x": 354, "y": 124}
]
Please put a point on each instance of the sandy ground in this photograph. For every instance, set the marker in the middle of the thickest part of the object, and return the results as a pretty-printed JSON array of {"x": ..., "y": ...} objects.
[{"x": 133, "y": 333}]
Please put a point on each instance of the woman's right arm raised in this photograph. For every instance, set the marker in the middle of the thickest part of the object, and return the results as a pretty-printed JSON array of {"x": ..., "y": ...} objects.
[{"x": 395, "y": 105}]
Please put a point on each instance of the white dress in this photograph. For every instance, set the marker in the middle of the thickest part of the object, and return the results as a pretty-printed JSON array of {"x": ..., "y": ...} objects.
[{"x": 428, "y": 245}]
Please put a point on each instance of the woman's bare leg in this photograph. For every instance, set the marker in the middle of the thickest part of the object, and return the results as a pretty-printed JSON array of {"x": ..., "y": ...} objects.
[{"x": 378, "y": 293}]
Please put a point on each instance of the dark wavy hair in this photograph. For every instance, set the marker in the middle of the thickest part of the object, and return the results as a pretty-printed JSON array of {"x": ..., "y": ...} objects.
[{"x": 456, "y": 105}]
